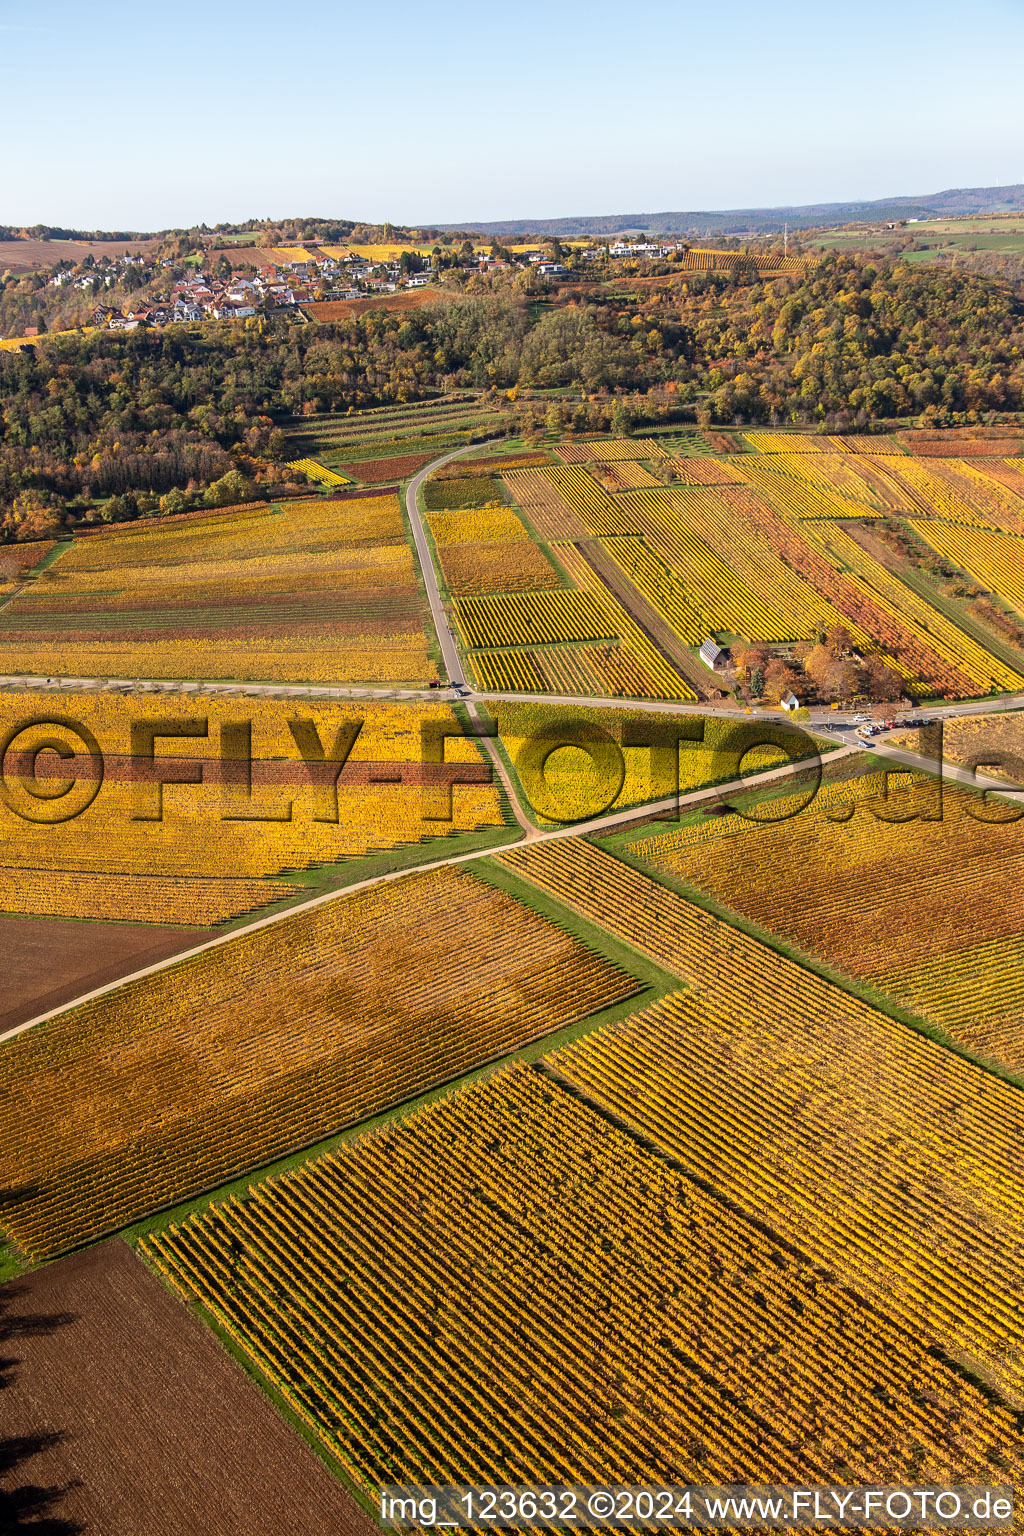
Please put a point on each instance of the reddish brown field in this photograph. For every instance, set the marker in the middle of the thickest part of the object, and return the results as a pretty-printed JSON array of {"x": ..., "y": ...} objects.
[
  {"x": 122, "y": 1416},
  {"x": 376, "y": 471},
  {"x": 48, "y": 961},
  {"x": 968, "y": 448},
  {"x": 29, "y": 255},
  {"x": 337, "y": 309},
  {"x": 17, "y": 558},
  {"x": 723, "y": 442},
  {"x": 963, "y": 442}
]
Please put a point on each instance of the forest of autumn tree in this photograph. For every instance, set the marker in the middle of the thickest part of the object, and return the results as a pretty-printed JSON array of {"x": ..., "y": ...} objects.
[{"x": 853, "y": 341}]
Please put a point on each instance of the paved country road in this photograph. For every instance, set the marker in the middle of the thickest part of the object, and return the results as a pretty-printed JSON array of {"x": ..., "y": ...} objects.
[
  {"x": 449, "y": 649},
  {"x": 598, "y": 824},
  {"x": 846, "y": 744},
  {"x": 446, "y": 639}
]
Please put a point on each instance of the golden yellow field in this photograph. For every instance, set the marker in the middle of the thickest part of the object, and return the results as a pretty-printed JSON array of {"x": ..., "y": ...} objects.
[
  {"x": 264, "y": 806},
  {"x": 272, "y": 1040},
  {"x": 576, "y": 1302},
  {"x": 314, "y": 591}
]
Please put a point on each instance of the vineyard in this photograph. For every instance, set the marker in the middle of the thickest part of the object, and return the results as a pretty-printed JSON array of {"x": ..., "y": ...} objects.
[
  {"x": 628, "y": 666},
  {"x": 321, "y": 591},
  {"x": 851, "y": 1136},
  {"x": 511, "y": 566},
  {"x": 996, "y": 560},
  {"x": 574, "y": 1302},
  {"x": 390, "y": 468},
  {"x": 553, "y": 518},
  {"x": 758, "y": 546},
  {"x": 465, "y": 492},
  {"x": 681, "y": 753},
  {"x": 487, "y": 526},
  {"x": 259, "y": 810},
  {"x": 173, "y": 1083},
  {"x": 531, "y": 618},
  {"x": 425, "y": 427},
  {"x": 609, "y": 449},
  {"x": 838, "y": 880},
  {"x": 314, "y": 471}
]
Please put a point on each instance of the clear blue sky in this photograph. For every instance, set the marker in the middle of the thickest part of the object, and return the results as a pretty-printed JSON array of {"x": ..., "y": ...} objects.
[{"x": 122, "y": 115}]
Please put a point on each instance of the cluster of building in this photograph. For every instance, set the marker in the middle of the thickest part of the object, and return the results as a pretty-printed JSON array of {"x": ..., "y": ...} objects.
[
  {"x": 645, "y": 248},
  {"x": 105, "y": 272},
  {"x": 285, "y": 285},
  {"x": 201, "y": 296}
]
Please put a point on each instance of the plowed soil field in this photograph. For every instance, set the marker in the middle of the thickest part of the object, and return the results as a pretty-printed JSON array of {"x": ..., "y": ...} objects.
[{"x": 121, "y": 1414}]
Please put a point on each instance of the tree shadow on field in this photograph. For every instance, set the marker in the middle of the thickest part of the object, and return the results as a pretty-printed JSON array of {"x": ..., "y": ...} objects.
[{"x": 27, "y": 1506}]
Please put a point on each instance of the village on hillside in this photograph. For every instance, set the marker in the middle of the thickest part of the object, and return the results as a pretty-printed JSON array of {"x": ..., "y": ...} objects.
[{"x": 230, "y": 287}]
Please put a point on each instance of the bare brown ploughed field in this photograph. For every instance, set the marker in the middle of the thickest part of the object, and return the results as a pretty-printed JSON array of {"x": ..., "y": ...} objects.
[
  {"x": 120, "y": 1415},
  {"x": 30, "y": 255},
  {"x": 48, "y": 962}
]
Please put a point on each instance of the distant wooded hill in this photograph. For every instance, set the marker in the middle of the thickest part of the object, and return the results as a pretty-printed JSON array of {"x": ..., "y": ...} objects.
[{"x": 751, "y": 221}]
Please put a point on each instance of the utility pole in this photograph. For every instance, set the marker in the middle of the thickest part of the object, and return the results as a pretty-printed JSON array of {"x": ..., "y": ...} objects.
[{"x": 785, "y": 239}]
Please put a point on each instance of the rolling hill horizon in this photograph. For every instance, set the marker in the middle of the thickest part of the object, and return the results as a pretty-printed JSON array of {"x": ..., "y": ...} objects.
[{"x": 950, "y": 203}]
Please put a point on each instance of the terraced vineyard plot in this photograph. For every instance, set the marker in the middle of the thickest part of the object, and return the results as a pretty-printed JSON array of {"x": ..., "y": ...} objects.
[
  {"x": 482, "y": 527},
  {"x": 666, "y": 592},
  {"x": 797, "y": 487},
  {"x": 1004, "y": 473},
  {"x": 609, "y": 449},
  {"x": 602, "y": 671},
  {"x": 843, "y": 889},
  {"x": 894, "y": 1161},
  {"x": 576, "y": 1304},
  {"x": 788, "y": 442},
  {"x": 698, "y": 470},
  {"x": 962, "y": 442},
  {"x": 478, "y": 569},
  {"x": 272, "y": 1040},
  {"x": 930, "y": 491},
  {"x": 826, "y": 485},
  {"x": 391, "y": 467},
  {"x": 208, "y": 857},
  {"x": 603, "y": 515},
  {"x": 664, "y": 681},
  {"x": 991, "y": 496},
  {"x": 869, "y": 442},
  {"x": 686, "y": 582},
  {"x": 314, "y": 471},
  {"x": 428, "y": 427},
  {"x": 756, "y": 548},
  {"x": 571, "y": 782},
  {"x": 623, "y": 475},
  {"x": 720, "y": 519},
  {"x": 996, "y": 560},
  {"x": 528, "y": 618},
  {"x": 320, "y": 591},
  {"x": 464, "y": 491},
  {"x": 375, "y": 420},
  {"x": 882, "y": 611},
  {"x": 958, "y": 652},
  {"x": 495, "y": 463},
  {"x": 548, "y": 512}
]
